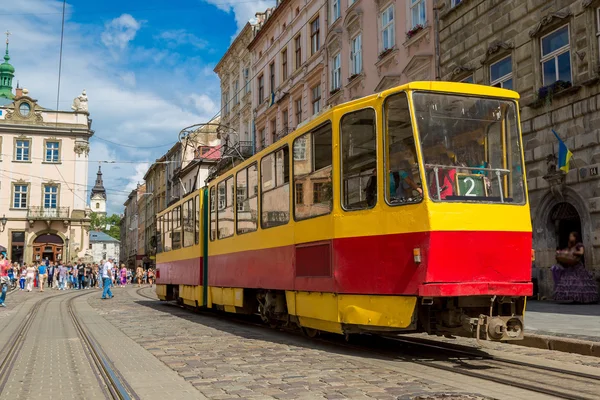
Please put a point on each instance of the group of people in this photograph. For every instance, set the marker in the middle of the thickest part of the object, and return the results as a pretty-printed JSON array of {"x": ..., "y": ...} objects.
[{"x": 69, "y": 276}]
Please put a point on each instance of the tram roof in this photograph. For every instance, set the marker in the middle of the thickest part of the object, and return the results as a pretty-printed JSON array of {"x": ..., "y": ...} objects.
[{"x": 454, "y": 87}]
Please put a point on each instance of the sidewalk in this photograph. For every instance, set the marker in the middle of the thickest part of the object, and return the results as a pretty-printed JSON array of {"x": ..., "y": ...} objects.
[{"x": 572, "y": 328}]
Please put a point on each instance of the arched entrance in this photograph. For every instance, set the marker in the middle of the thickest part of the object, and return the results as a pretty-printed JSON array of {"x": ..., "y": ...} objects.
[
  {"x": 564, "y": 219},
  {"x": 48, "y": 246}
]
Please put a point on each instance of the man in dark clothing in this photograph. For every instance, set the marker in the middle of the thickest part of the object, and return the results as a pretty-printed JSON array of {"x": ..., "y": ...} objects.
[
  {"x": 80, "y": 274},
  {"x": 50, "y": 275}
]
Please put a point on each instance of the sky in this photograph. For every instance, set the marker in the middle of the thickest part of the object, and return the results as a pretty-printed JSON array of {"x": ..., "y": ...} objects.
[{"x": 146, "y": 65}]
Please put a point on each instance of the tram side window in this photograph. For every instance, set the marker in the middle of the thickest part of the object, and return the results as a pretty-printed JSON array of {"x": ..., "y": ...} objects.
[
  {"x": 213, "y": 214},
  {"x": 188, "y": 223},
  {"x": 313, "y": 195},
  {"x": 197, "y": 220},
  {"x": 359, "y": 160},
  {"x": 247, "y": 200},
  {"x": 159, "y": 234},
  {"x": 275, "y": 193},
  {"x": 402, "y": 179},
  {"x": 177, "y": 228},
  {"x": 168, "y": 228},
  {"x": 225, "y": 191}
]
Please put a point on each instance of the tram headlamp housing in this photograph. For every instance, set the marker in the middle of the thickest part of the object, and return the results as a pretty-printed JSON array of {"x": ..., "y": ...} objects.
[{"x": 417, "y": 255}]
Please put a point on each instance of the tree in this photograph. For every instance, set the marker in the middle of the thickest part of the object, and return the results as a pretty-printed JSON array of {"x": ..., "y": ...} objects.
[{"x": 106, "y": 224}]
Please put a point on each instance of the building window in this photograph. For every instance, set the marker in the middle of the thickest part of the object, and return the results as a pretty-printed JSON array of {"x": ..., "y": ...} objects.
[
  {"x": 261, "y": 138},
  {"x": 22, "y": 147},
  {"x": 556, "y": 56},
  {"x": 285, "y": 120},
  {"x": 97, "y": 205},
  {"x": 103, "y": 246},
  {"x": 273, "y": 131},
  {"x": 501, "y": 73},
  {"x": 20, "y": 196},
  {"x": 417, "y": 13},
  {"x": 246, "y": 80},
  {"x": 298, "y": 111},
  {"x": 336, "y": 71},
  {"x": 315, "y": 43},
  {"x": 272, "y": 77},
  {"x": 50, "y": 196},
  {"x": 335, "y": 10},
  {"x": 312, "y": 172},
  {"x": 284, "y": 65},
  {"x": 316, "y": 99},
  {"x": 356, "y": 54},
  {"x": 455, "y": 3},
  {"x": 52, "y": 151},
  {"x": 468, "y": 79},
  {"x": 226, "y": 102},
  {"x": 261, "y": 89},
  {"x": 388, "y": 35},
  {"x": 298, "y": 51},
  {"x": 236, "y": 89}
]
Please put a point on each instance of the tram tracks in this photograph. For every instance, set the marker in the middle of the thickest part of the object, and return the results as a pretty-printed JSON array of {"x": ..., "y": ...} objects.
[{"x": 536, "y": 378}]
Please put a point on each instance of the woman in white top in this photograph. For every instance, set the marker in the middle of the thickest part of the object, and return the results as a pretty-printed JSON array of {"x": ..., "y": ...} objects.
[{"x": 30, "y": 277}]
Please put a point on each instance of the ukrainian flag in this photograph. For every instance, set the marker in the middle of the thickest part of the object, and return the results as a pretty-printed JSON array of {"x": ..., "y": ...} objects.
[
  {"x": 271, "y": 99},
  {"x": 564, "y": 154}
]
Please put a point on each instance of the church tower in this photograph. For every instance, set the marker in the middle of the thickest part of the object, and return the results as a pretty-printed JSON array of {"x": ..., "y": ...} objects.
[
  {"x": 7, "y": 73},
  {"x": 98, "y": 197}
]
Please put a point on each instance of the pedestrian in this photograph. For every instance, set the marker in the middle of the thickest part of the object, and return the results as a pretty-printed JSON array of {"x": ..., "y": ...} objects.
[
  {"x": 139, "y": 273},
  {"x": 80, "y": 274},
  {"x": 107, "y": 275},
  {"x": 23, "y": 274},
  {"x": 4, "y": 280},
  {"x": 62, "y": 276},
  {"x": 11, "y": 272},
  {"x": 150, "y": 276},
  {"x": 42, "y": 275},
  {"x": 51, "y": 269},
  {"x": 30, "y": 277},
  {"x": 123, "y": 275}
]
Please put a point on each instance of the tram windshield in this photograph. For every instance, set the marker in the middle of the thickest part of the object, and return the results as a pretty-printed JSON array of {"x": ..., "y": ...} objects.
[{"x": 471, "y": 148}]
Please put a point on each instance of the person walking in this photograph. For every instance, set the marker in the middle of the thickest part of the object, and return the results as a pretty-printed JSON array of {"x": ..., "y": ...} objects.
[
  {"x": 51, "y": 270},
  {"x": 139, "y": 273},
  {"x": 123, "y": 275},
  {"x": 42, "y": 276},
  {"x": 62, "y": 276},
  {"x": 80, "y": 274},
  {"x": 30, "y": 277},
  {"x": 150, "y": 276},
  {"x": 4, "y": 279},
  {"x": 22, "y": 278},
  {"x": 107, "y": 275}
]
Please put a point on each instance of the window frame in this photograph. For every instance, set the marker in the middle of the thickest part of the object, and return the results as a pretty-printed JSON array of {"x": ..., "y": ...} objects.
[
  {"x": 412, "y": 4},
  {"x": 29, "y": 149},
  {"x": 224, "y": 181},
  {"x": 336, "y": 12},
  {"x": 261, "y": 88},
  {"x": 58, "y": 151},
  {"x": 57, "y": 195},
  {"x": 262, "y": 192},
  {"x": 336, "y": 71},
  {"x": 503, "y": 78},
  {"x": 298, "y": 111},
  {"x": 246, "y": 170},
  {"x": 341, "y": 159},
  {"x": 314, "y": 99},
  {"x": 555, "y": 53},
  {"x": 353, "y": 54},
  {"x": 390, "y": 25},
  {"x": 27, "y": 186},
  {"x": 284, "y": 64},
  {"x": 454, "y": 3},
  {"x": 315, "y": 35},
  {"x": 297, "y": 52},
  {"x": 272, "y": 78},
  {"x": 213, "y": 205}
]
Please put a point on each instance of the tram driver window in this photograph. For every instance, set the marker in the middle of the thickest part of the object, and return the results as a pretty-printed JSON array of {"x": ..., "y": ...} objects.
[
  {"x": 359, "y": 160},
  {"x": 275, "y": 184},
  {"x": 402, "y": 179}
]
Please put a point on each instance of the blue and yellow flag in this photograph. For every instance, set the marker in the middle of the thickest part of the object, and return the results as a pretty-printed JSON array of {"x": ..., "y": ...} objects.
[
  {"x": 564, "y": 154},
  {"x": 272, "y": 99}
]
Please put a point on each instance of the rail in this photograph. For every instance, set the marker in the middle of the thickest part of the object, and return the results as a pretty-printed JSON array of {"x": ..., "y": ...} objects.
[{"x": 39, "y": 212}]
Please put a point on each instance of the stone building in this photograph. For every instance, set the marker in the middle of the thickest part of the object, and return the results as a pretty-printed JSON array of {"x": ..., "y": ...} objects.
[
  {"x": 549, "y": 52},
  {"x": 43, "y": 174},
  {"x": 103, "y": 247}
]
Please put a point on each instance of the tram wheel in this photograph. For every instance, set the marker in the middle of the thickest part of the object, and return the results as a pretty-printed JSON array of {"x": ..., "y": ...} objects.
[{"x": 310, "y": 332}]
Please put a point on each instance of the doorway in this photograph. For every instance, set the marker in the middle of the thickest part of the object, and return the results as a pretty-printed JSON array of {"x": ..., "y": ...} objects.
[
  {"x": 566, "y": 220},
  {"x": 48, "y": 247}
]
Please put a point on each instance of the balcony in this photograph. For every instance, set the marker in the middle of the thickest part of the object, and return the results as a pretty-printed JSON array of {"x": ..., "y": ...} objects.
[{"x": 38, "y": 213}]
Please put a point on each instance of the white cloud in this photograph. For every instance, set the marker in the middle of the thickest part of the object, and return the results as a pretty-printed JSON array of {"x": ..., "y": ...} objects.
[
  {"x": 243, "y": 11},
  {"x": 180, "y": 37},
  {"x": 204, "y": 104},
  {"x": 120, "y": 31}
]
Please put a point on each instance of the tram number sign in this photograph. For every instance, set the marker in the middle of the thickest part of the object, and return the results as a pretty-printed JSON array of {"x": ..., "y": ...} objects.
[{"x": 470, "y": 185}]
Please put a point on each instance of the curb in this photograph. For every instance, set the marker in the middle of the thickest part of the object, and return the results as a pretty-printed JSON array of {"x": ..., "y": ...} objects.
[{"x": 576, "y": 346}]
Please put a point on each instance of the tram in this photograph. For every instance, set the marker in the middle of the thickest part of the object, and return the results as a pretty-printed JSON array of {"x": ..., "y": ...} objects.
[{"x": 404, "y": 211}]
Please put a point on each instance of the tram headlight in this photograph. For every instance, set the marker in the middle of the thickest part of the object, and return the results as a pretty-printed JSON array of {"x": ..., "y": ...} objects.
[{"x": 417, "y": 255}]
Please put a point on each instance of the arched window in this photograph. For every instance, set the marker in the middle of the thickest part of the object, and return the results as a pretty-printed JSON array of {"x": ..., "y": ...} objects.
[{"x": 97, "y": 205}]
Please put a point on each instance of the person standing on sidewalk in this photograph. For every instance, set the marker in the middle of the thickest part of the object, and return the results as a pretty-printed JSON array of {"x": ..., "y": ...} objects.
[
  {"x": 23, "y": 276},
  {"x": 80, "y": 274},
  {"x": 42, "y": 276},
  {"x": 62, "y": 276},
  {"x": 51, "y": 270},
  {"x": 30, "y": 277},
  {"x": 4, "y": 279},
  {"x": 107, "y": 276}
]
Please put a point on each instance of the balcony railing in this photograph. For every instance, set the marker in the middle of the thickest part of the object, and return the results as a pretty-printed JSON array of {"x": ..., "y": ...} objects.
[
  {"x": 245, "y": 148},
  {"x": 38, "y": 212}
]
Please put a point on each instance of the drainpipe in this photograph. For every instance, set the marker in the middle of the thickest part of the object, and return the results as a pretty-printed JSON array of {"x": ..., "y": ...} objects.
[{"x": 436, "y": 28}]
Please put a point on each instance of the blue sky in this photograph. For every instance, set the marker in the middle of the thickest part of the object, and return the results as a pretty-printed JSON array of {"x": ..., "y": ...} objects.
[{"x": 147, "y": 67}]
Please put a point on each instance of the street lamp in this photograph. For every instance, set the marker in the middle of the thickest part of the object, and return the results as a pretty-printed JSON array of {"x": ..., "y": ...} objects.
[{"x": 3, "y": 222}]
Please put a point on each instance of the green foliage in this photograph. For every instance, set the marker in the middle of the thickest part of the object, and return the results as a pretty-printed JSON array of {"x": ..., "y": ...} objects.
[{"x": 100, "y": 222}]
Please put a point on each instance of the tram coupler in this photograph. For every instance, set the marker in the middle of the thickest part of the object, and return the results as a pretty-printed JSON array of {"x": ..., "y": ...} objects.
[{"x": 499, "y": 328}]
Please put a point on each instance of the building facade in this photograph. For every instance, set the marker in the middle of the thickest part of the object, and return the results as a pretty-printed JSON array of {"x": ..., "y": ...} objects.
[
  {"x": 103, "y": 247},
  {"x": 129, "y": 230},
  {"x": 549, "y": 52},
  {"x": 43, "y": 175}
]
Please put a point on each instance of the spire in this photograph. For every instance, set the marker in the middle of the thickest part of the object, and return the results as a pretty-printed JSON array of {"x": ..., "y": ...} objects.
[
  {"x": 99, "y": 186},
  {"x": 7, "y": 73}
]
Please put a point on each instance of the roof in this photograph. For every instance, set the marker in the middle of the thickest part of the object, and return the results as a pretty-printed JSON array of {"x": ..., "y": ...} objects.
[{"x": 97, "y": 236}]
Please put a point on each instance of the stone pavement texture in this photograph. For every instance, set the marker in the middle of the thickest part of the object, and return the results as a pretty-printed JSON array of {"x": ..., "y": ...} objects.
[{"x": 578, "y": 321}]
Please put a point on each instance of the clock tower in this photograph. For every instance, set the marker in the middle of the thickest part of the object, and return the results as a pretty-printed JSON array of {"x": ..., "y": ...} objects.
[{"x": 98, "y": 196}]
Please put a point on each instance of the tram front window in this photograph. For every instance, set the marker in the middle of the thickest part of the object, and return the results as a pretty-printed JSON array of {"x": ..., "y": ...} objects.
[{"x": 471, "y": 148}]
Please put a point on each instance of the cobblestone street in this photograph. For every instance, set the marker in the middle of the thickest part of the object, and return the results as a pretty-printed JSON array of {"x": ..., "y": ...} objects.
[{"x": 160, "y": 350}]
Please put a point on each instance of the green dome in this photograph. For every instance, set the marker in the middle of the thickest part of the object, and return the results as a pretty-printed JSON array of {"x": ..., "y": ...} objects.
[{"x": 6, "y": 67}]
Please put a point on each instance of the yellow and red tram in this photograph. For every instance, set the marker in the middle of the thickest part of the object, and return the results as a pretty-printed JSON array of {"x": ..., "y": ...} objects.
[{"x": 402, "y": 211}]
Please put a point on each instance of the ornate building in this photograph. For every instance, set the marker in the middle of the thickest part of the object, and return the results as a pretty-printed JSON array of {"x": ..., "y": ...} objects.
[
  {"x": 98, "y": 195},
  {"x": 43, "y": 175},
  {"x": 550, "y": 53}
]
